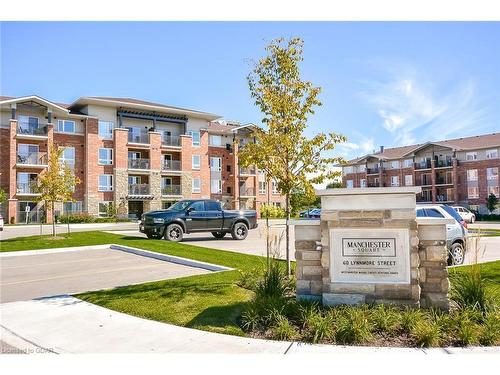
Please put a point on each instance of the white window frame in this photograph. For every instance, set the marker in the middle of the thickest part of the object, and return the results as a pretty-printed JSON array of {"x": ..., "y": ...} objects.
[
  {"x": 216, "y": 186},
  {"x": 495, "y": 190},
  {"x": 103, "y": 213},
  {"x": 192, "y": 133},
  {"x": 492, "y": 154},
  {"x": 470, "y": 156},
  {"x": 108, "y": 134},
  {"x": 213, "y": 165},
  {"x": 395, "y": 164},
  {"x": 490, "y": 175},
  {"x": 213, "y": 137},
  {"x": 362, "y": 182},
  {"x": 349, "y": 184},
  {"x": 196, "y": 166},
  {"x": 262, "y": 187},
  {"x": 408, "y": 178},
  {"x": 348, "y": 170},
  {"x": 274, "y": 187},
  {"x": 361, "y": 168},
  {"x": 194, "y": 188},
  {"x": 474, "y": 175},
  {"x": 61, "y": 126},
  {"x": 394, "y": 180},
  {"x": 408, "y": 163},
  {"x": 475, "y": 195},
  {"x": 68, "y": 161},
  {"x": 109, "y": 183},
  {"x": 109, "y": 156}
]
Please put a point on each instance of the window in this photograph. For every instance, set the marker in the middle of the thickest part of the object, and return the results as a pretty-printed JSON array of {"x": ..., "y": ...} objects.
[
  {"x": 106, "y": 129},
  {"x": 349, "y": 184},
  {"x": 228, "y": 190},
  {"x": 492, "y": 174},
  {"x": 215, "y": 164},
  {"x": 105, "y": 208},
  {"x": 432, "y": 212},
  {"x": 494, "y": 190},
  {"x": 408, "y": 180},
  {"x": 215, "y": 140},
  {"x": 274, "y": 186},
  {"x": 471, "y": 156},
  {"x": 408, "y": 163},
  {"x": 105, "y": 182},
  {"x": 216, "y": 186},
  {"x": 72, "y": 207},
  {"x": 198, "y": 206},
  {"x": 196, "y": 185},
  {"x": 212, "y": 206},
  {"x": 472, "y": 192},
  {"x": 348, "y": 170},
  {"x": 362, "y": 183},
  {"x": 471, "y": 174},
  {"x": 262, "y": 187},
  {"x": 68, "y": 157},
  {"x": 362, "y": 168},
  {"x": 228, "y": 168},
  {"x": 420, "y": 212},
  {"x": 195, "y": 137},
  {"x": 65, "y": 126},
  {"x": 395, "y": 164},
  {"x": 492, "y": 154},
  {"x": 394, "y": 180},
  {"x": 196, "y": 161},
  {"x": 28, "y": 154},
  {"x": 106, "y": 156},
  {"x": 166, "y": 204}
]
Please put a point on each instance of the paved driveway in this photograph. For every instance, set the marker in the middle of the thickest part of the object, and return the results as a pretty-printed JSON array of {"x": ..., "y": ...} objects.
[{"x": 25, "y": 277}]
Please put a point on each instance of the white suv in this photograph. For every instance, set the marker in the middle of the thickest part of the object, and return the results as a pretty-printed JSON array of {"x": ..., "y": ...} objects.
[
  {"x": 456, "y": 233},
  {"x": 465, "y": 214}
]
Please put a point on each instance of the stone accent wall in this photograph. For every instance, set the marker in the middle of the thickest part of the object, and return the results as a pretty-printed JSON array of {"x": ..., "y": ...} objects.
[
  {"x": 433, "y": 256},
  {"x": 427, "y": 254}
]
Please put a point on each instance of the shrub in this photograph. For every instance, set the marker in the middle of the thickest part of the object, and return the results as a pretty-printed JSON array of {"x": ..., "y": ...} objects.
[
  {"x": 352, "y": 326},
  {"x": 469, "y": 289},
  {"x": 272, "y": 212},
  {"x": 79, "y": 218},
  {"x": 426, "y": 333},
  {"x": 410, "y": 318},
  {"x": 251, "y": 318},
  {"x": 319, "y": 327},
  {"x": 283, "y": 329},
  {"x": 274, "y": 283},
  {"x": 386, "y": 318},
  {"x": 490, "y": 331}
]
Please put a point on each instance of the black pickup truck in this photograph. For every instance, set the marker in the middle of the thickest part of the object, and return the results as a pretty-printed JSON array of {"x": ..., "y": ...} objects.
[{"x": 197, "y": 215}]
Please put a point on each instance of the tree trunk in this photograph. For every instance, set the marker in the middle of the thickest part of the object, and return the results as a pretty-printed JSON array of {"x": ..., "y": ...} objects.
[
  {"x": 53, "y": 220},
  {"x": 287, "y": 235}
]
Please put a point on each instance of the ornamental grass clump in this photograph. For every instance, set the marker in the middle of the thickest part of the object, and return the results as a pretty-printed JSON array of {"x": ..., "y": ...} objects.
[
  {"x": 426, "y": 333},
  {"x": 353, "y": 326},
  {"x": 283, "y": 329},
  {"x": 386, "y": 319},
  {"x": 319, "y": 327},
  {"x": 490, "y": 330}
]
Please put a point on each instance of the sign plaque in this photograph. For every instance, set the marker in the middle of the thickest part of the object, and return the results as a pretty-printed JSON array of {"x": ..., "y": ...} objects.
[{"x": 370, "y": 255}]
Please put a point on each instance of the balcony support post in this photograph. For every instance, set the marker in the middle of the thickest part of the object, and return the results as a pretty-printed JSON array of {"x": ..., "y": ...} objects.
[
  {"x": 455, "y": 180},
  {"x": 49, "y": 116},
  {"x": 433, "y": 180},
  {"x": 13, "y": 108}
]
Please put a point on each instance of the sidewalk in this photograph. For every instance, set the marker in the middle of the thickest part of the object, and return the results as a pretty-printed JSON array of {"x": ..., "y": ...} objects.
[{"x": 64, "y": 324}]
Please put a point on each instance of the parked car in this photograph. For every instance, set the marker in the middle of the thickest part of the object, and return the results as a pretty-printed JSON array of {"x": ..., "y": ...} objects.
[
  {"x": 197, "y": 215},
  {"x": 1, "y": 222},
  {"x": 315, "y": 213},
  {"x": 465, "y": 214},
  {"x": 456, "y": 233}
]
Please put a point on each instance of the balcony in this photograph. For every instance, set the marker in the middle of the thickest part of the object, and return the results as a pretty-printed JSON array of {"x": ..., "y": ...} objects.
[
  {"x": 138, "y": 189},
  {"x": 171, "y": 141},
  {"x": 444, "y": 163},
  {"x": 423, "y": 165},
  {"x": 247, "y": 191},
  {"x": 375, "y": 170},
  {"x": 171, "y": 190},
  {"x": 373, "y": 184},
  {"x": 444, "y": 180},
  {"x": 142, "y": 138},
  {"x": 35, "y": 159},
  {"x": 29, "y": 130},
  {"x": 139, "y": 163},
  {"x": 27, "y": 188},
  {"x": 249, "y": 171},
  {"x": 171, "y": 165}
]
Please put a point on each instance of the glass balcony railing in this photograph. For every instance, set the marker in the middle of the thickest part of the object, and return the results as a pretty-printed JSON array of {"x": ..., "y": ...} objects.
[
  {"x": 171, "y": 165},
  {"x": 171, "y": 190},
  {"x": 24, "y": 128},
  {"x": 171, "y": 141},
  {"x": 138, "y": 189},
  {"x": 139, "y": 163},
  {"x": 247, "y": 191},
  {"x": 35, "y": 158},
  {"x": 375, "y": 170},
  {"x": 423, "y": 164},
  {"x": 27, "y": 188},
  {"x": 138, "y": 138},
  {"x": 443, "y": 163},
  {"x": 248, "y": 171}
]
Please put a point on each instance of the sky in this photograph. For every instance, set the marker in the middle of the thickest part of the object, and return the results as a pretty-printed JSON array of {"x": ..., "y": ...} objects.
[{"x": 383, "y": 83}]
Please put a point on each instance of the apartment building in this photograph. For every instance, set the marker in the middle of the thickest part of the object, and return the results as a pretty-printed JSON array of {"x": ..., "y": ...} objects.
[
  {"x": 461, "y": 171},
  {"x": 138, "y": 155}
]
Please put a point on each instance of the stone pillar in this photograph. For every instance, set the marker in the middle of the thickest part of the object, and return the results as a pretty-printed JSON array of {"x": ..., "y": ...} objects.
[
  {"x": 235, "y": 178},
  {"x": 433, "y": 180},
  {"x": 50, "y": 146},
  {"x": 120, "y": 182},
  {"x": 455, "y": 180},
  {"x": 433, "y": 256},
  {"x": 91, "y": 197},
  {"x": 155, "y": 174},
  {"x": 12, "y": 177},
  {"x": 186, "y": 165}
]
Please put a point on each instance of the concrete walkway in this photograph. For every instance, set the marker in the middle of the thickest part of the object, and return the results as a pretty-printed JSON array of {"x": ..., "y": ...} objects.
[{"x": 65, "y": 324}]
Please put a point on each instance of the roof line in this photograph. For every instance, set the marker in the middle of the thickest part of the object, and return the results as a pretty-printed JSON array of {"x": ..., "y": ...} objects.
[{"x": 36, "y": 97}]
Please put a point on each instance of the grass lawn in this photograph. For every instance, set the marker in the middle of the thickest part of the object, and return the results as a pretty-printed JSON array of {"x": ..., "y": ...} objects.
[{"x": 211, "y": 302}]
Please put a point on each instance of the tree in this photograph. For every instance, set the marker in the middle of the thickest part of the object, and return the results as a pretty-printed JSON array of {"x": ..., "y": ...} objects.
[
  {"x": 281, "y": 148},
  {"x": 3, "y": 196},
  {"x": 491, "y": 202},
  {"x": 56, "y": 183},
  {"x": 334, "y": 185},
  {"x": 303, "y": 198}
]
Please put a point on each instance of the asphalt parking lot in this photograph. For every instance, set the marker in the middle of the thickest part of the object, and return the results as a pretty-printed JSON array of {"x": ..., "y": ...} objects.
[{"x": 25, "y": 277}]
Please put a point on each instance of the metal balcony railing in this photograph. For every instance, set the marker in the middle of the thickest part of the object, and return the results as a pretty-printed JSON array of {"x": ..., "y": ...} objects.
[
  {"x": 138, "y": 137},
  {"x": 443, "y": 163},
  {"x": 171, "y": 190},
  {"x": 423, "y": 164},
  {"x": 171, "y": 141},
  {"x": 171, "y": 165},
  {"x": 25, "y": 128},
  {"x": 248, "y": 171},
  {"x": 373, "y": 184},
  {"x": 35, "y": 158},
  {"x": 139, "y": 163},
  {"x": 375, "y": 170},
  {"x": 138, "y": 189},
  {"x": 27, "y": 188},
  {"x": 448, "y": 180},
  {"x": 247, "y": 191}
]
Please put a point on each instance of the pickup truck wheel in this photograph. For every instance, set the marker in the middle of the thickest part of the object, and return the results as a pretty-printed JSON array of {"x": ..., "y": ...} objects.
[
  {"x": 240, "y": 231},
  {"x": 174, "y": 233},
  {"x": 457, "y": 254},
  {"x": 219, "y": 235}
]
